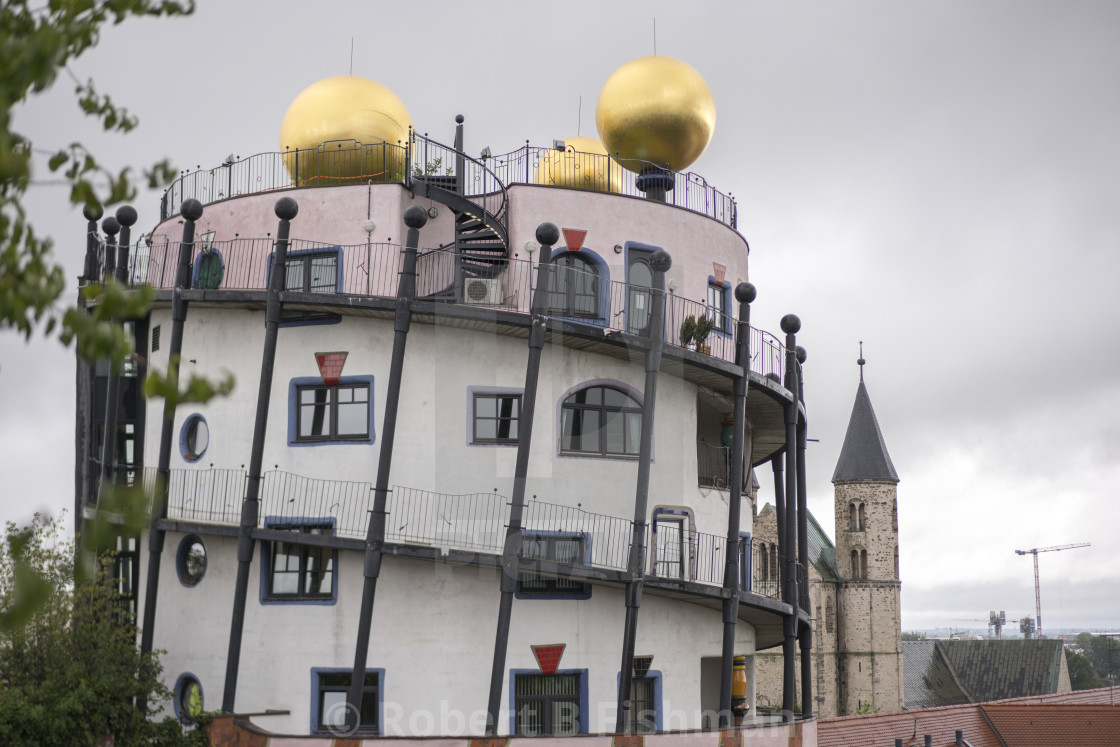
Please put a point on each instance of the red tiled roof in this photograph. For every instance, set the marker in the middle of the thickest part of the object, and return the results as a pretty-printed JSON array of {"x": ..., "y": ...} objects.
[{"x": 1045, "y": 725}]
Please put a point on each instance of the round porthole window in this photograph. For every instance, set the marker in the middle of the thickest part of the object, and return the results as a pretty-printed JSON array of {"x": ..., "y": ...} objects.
[
  {"x": 188, "y": 698},
  {"x": 194, "y": 438},
  {"x": 190, "y": 561}
]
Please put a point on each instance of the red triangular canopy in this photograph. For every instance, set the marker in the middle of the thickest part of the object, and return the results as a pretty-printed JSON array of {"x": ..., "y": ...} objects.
[
  {"x": 574, "y": 238},
  {"x": 548, "y": 656}
]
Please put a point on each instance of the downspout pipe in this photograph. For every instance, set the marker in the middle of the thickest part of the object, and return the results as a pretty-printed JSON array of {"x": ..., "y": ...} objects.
[
  {"x": 745, "y": 293},
  {"x": 790, "y": 325},
  {"x": 286, "y": 210},
  {"x": 547, "y": 235},
  {"x": 414, "y": 218},
  {"x": 660, "y": 263},
  {"x": 191, "y": 210},
  {"x": 126, "y": 218},
  {"x": 806, "y": 634}
]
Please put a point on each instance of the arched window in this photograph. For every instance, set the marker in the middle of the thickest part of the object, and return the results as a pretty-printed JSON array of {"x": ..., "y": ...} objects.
[
  {"x": 852, "y": 525},
  {"x": 763, "y": 563},
  {"x": 855, "y": 563},
  {"x": 829, "y": 614},
  {"x": 862, "y": 518},
  {"x": 600, "y": 420},
  {"x": 575, "y": 286},
  {"x": 773, "y": 562},
  {"x": 863, "y": 563}
]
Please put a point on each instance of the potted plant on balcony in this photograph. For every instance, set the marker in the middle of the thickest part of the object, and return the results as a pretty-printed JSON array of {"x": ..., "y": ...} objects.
[
  {"x": 694, "y": 333},
  {"x": 688, "y": 332}
]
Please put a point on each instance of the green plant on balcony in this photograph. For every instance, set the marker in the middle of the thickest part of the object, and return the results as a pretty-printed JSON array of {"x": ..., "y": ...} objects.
[{"x": 695, "y": 331}]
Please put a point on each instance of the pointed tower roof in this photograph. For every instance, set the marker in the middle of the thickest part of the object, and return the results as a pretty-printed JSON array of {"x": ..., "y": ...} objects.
[{"x": 864, "y": 454}]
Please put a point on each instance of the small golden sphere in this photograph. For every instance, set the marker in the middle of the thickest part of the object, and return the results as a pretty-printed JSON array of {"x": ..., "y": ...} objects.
[
  {"x": 656, "y": 109},
  {"x": 346, "y": 128},
  {"x": 583, "y": 164}
]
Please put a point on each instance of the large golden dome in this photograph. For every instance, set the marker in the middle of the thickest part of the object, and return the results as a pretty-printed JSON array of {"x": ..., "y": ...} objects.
[
  {"x": 583, "y": 164},
  {"x": 656, "y": 109},
  {"x": 347, "y": 128}
]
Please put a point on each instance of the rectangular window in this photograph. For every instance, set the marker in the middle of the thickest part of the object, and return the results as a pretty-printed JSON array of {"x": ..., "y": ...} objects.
[
  {"x": 313, "y": 272},
  {"x": 643, "y": 706},
  {"x": 332, "y": 413},
  {"x": 547, "y": 704},
  {"x": 297, "y": 572},
  {"x": 717, "y": 306},
  {"x": 328, "y": 708},
  {"x": 496, "y": 417},
  {"x": 561, "y": 547}
]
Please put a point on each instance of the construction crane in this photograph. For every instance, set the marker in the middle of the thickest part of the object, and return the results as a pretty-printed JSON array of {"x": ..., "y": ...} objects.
[{"x": 1037, "y": 597}]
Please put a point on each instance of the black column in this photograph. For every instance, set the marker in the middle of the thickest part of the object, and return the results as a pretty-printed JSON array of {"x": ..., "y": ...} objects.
[
  {"x": 805, "y": 638},
  {"x": 191, "y": 210},
  {"x": 744, "y": 293},
  {"x": 660, "y": 263},
  {"x": 285, "y": 209},
  {"x": 91, "y": 270},
  {"x": 108, "y": 437},
  {"x": 415, "y": 218},
  {"x": 547, "y": 235},
  {"x": 126, "y": 218},
  {"x": 790, "y": 325}
]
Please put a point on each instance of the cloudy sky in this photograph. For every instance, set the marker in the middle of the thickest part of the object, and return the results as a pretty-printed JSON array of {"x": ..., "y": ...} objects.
[{"x": 937, "y": 179}]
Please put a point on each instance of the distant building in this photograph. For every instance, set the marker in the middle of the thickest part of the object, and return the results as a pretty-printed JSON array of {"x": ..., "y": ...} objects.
[{"x": 854, "y": 588}]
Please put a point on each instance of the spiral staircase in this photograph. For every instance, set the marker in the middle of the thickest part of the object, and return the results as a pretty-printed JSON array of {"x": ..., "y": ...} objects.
[{"x": 479, "y": 201}]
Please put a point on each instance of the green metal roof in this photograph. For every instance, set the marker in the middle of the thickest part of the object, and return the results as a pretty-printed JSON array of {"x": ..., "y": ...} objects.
[{"x": 822, "y": 553}]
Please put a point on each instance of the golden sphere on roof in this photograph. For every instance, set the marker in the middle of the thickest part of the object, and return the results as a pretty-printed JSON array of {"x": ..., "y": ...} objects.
[
  {"x": 583, "y": 164},
  {"x": 656, "y": 109},
  {"x": 345, "y": 129}
]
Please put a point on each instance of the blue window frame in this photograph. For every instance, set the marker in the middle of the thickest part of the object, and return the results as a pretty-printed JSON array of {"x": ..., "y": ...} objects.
[
  {"x": 547, "y": 703},
  {"x": 321, "y": 414},
  {"x": 297, "y": 573},
  {"x": 573, "y": 548},
  {"x": 645, "y": 702},
  {"x": 329, "y": 686},
  {"x": 318, "y": 270},
  {"x": 188, "y": 701},
  {"x": 209, "y": 270},
  {"x": 718, "y": 300},
  {"x": 580, "y": 287}
]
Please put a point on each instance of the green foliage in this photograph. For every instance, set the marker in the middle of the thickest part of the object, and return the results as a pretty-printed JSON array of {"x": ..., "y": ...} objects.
[
  {"x": 913, "y": 636},
  {"x": 1103, "y": 653},
  {"x": 69, "y": 666},
  {"x": 38, "y": 43},
  {"x": 696, "y": 330},
  {"x": 1081, "y": 674},
  {"x": 198, "y": 389},
  {"x": 432, "y": 168}
]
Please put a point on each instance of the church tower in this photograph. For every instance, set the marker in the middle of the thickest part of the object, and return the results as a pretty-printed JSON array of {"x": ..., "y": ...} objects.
[{"x": 869, "y": 640}]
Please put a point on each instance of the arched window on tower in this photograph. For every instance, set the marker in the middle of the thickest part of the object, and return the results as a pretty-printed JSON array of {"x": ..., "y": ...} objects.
[
  {"x": 852, "y": 525},
  {"x": 855, "y": 563},
  {"x": 773, "y": 562},
  {"x": 763, "y": 563},
  {"x": 896, "y": 573},
  {"x": 862, "y": 518},
  {"x": 863, "y": 563},
  {"x": 829, "y": 614}
]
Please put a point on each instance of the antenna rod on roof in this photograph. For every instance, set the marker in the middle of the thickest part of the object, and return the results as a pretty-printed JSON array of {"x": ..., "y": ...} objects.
[{"x": 351, "y": 55}]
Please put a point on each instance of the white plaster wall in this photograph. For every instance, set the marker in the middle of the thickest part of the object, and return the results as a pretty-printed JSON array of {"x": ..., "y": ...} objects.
[{"x": 433, "y": 634}]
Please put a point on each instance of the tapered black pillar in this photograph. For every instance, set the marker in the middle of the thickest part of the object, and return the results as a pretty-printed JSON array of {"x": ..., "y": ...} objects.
[
  {"x": 414, "y": 219},
  {"x": 790, "y": 325},
  {"x": 547, "y": 235},
  {"x": 91, "y": 271},
  {"x": 805, "y": 638},
  {"x": 108, "y": 434},
  {"x": 191, "y": 211},
  {"x": 286, "y": 209},
  {"x": 660, "y": 263},
  {"x": 126, "y": 218},
  {"x": 744, "y": 293}
]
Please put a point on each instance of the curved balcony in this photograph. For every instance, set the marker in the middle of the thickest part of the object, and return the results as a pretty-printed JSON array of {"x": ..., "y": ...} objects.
[
  {"x": 350, "y": 162},
  {"x": 373, "y": 269}
]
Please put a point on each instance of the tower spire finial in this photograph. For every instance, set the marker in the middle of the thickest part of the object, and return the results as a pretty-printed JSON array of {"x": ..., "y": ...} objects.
[{"x": 861, "y": 361}]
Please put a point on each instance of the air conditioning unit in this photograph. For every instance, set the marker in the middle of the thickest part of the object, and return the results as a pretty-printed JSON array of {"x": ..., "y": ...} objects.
[{"x": 487, "y": 292}]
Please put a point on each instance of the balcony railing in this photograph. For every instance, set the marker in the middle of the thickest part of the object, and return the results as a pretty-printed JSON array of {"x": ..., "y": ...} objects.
[
  {"x": 350, "y": 162},
  {"x": 373, "y": 269},
  {"x": 474, "y": 522}
]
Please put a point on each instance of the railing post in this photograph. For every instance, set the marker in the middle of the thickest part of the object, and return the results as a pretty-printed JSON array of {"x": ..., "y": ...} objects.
[
  {"x": 806, "y": 633},
  {"x": 415, "y": 218},
  {"x": 547, "y": 235},
  {"x": 660, "y": 262},
  {"x": 745, "y": 293},
  {"x": 191, "y": 211},
  {"x": 790, "y": 325},
  {"x": 285, "y": 209}
]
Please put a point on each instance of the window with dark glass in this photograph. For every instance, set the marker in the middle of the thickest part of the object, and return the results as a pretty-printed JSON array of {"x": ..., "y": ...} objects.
[
  {"x": 600, "y": 420},
  {"x": 575, "y": 287},
  {"x": 331, "y": 711},
  {"x": 546, "y": 704},
  {"x": 315, "y": 272},
  {"x": 643, "y": 709},
  {"x": 298, "y": 571},
  {"x": 558, "y": 547},
  {"x": 496, "y": 418},
  {"x": 717, "y": 306},
  {"x": 332, "y": 413},
  {"x": 125, "y": 575}
]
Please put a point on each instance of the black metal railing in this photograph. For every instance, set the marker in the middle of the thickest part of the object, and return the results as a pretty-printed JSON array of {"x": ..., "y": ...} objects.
[
  {"x": 351, "y": 162},
  {"x": 472, "y": 522},
  {"x": 615, "y": 175}
]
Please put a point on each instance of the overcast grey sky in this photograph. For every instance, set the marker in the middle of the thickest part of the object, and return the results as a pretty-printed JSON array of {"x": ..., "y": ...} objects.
[{"x": 937, "y": 179}]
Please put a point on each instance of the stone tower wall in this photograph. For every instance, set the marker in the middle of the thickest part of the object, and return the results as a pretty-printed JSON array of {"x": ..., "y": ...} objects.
[{"x": 878, "y": 535}]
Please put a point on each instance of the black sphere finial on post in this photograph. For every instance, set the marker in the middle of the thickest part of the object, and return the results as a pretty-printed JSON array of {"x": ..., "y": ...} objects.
[
  {"x": 191, "y": 209},
  {"x": 548, "y": 234}
]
